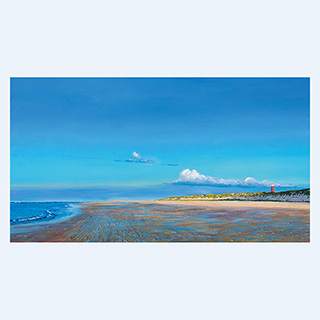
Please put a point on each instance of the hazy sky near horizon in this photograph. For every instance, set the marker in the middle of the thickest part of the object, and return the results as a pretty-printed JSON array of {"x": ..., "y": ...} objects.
[{"x": 140, "y": 132}]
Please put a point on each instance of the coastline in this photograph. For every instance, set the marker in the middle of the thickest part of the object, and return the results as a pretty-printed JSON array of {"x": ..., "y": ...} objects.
[
  {"x": 213, "y": 203},
  {"x": 235, "y": 204}
]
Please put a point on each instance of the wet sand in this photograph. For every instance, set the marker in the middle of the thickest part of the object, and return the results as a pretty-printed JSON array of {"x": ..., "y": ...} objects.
[{"x": 176, "y": 221}]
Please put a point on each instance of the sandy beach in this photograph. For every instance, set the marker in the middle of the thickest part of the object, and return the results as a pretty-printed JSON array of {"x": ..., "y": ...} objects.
[
  {"x": 233, "y": 205},
  {"x": 176, "y": 221}
]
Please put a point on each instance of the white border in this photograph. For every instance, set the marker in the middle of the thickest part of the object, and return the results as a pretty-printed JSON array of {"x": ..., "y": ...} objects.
[{"x": 159, "y": 281}]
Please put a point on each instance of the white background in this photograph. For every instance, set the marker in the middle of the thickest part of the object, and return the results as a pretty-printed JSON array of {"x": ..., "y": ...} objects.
[{"x": 159, "y": 38}]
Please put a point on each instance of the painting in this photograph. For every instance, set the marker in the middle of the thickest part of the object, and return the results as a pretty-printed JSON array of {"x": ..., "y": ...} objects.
[{"x": 160, "y": 159}]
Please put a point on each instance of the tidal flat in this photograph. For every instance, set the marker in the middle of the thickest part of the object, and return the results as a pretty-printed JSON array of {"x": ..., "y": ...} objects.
[{"x": 180, "y": 221}]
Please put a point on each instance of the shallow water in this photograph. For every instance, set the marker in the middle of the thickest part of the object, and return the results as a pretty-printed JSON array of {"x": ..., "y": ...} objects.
[{"x": 23, "y": 213}]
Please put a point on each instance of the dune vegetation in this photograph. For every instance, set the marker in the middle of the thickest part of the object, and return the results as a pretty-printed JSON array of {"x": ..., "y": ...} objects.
[{"x": 302, "y": 195}]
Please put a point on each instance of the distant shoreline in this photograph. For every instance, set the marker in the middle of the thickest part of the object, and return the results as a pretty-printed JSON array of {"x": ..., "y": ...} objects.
[
  {"x": 218, "y": 204},
  {"x": 234, "y": 204},
  {"x": 225, "y": 204},
  {"x": 302, "y": 195}
]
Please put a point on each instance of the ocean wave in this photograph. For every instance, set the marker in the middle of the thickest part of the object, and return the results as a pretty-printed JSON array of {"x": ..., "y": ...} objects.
[{"x": 48, "y": 216}]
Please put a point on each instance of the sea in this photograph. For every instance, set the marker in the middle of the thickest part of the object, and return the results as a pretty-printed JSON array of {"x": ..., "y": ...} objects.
[{"x": 25, "y": 213}]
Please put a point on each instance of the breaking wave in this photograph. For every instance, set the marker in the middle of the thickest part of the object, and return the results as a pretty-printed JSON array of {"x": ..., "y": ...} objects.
[
  {"x": 42, "y": 216},
  {"x": 33, "y": 212}
]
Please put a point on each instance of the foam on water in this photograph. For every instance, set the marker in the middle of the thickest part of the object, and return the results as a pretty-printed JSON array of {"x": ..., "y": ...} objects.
[{"x": 37, "y": 212}]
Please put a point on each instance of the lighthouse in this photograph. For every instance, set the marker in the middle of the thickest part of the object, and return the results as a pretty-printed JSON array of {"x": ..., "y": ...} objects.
[{"x": 272, "y": 188}]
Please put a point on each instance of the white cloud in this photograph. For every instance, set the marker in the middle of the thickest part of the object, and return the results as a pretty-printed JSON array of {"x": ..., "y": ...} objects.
[
  {"x": 188, "y": 176},
  {"x": 136, "y": 155},
  {"x": 138, "y": 159}
]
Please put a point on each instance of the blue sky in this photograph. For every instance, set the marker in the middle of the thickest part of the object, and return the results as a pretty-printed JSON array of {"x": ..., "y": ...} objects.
[{"x": 81, "y": 133}]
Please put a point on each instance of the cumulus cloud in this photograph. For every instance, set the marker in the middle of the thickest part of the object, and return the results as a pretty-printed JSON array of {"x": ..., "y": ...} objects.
[
  {"x": 188, "y": 176},
  {"x": 136, "y": 155}
]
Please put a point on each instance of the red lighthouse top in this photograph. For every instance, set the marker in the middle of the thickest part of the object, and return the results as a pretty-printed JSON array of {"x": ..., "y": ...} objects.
[{"x": 272, "y": 188}]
